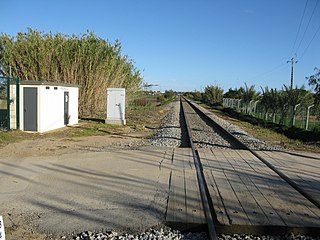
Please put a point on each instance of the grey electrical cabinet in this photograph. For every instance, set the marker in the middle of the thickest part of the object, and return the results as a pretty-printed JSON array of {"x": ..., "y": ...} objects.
[{"x": 116, "y": 105}]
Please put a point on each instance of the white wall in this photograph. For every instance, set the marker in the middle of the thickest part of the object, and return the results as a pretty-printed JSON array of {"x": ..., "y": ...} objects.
[
  {"x": 73, "y": 105},
  {"x": 50, "y": 109},
  {"x": 51, "y": 106},
  {"x": 13, "y": 106}
]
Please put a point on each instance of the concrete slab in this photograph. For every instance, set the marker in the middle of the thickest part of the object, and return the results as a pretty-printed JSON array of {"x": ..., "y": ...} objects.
[{"x": 121, "y": 190}]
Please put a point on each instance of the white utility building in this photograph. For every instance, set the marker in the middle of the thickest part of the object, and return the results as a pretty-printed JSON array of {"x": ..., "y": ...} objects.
[
  {"x": 46, "y": 106},
  {"x": 116, "y": 105}
]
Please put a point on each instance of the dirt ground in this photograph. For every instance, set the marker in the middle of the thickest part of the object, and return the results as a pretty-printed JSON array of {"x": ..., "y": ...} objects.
[
  {"x": 48, "y": 146},
  {"x": 54, "y": 145},
  {"x": 74, "y": 140}
]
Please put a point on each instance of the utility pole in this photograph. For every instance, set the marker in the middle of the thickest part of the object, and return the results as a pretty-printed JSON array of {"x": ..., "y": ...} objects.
[
  {"x": 292, "y": 67},
  {"x": 291, "y": 88}
]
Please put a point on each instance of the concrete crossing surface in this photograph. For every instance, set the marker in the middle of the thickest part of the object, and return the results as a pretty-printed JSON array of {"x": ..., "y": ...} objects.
[{"x": 136, "y": 189}]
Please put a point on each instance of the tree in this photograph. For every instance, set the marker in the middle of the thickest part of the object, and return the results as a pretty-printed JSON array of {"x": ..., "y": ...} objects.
[
  {"x": 249, "y": 95},
  {"x": 213, "y": 95},
  {"x": 290, "y": 98},
  {"x": 283, "y": 103},
  {"x": 314, "y": 80},
  {"x": 234, "y": 93},
  {"x": 169, "y": 94},
  {"x": 270, "y": 101}
]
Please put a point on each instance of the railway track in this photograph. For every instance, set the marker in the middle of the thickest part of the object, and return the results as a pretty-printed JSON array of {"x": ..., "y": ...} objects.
[{"x": 204, "y": 132}]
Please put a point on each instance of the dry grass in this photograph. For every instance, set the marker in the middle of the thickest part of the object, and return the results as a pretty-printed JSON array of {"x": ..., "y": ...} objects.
[
  {"x": 86, "y": 60},
  {"x": 139, "y": 118},
  {"x": 267, "y": 135}
]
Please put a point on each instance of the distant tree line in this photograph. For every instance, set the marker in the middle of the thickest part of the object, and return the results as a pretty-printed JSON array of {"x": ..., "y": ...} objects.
[
  {"x": 271, "y": 100},
  {"x": 212, "y": 95},
  {"x": 86, "y": 59}
]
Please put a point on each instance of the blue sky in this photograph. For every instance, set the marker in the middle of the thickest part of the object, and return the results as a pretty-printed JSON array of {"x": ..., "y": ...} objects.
[{"x": 188, "y": 44}]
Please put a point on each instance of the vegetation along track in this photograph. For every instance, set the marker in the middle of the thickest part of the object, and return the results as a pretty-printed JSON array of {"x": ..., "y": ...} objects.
[{"x": 205, "y": 132}]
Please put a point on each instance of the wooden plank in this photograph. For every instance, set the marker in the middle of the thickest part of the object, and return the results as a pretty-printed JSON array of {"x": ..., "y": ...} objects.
[
  {"x": 269, "y": 184},
  {"x": 304, "y": 171},
  {"x": 215, "y": 195},
  {"x": 195, "y": 213},
  {"x": 220, "y": 211},
  {"x": 257, "y": 207},
  {"x": 265, "y": 154},
  {"x": 255, "y": 176},
  {"x": 233, "y": 208},
  {"x": 176, "y": 210},
  {"x": 184, "y": 205},
  {"x": 298, "y": 168},
  {"x": 311, "y": 155},
  {"x": 290, "y": 205}
]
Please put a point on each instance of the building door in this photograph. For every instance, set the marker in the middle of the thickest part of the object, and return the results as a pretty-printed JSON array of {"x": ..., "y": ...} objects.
[
  {"x": 30, "y": 109},
  {"x": 66, "y": 108}
]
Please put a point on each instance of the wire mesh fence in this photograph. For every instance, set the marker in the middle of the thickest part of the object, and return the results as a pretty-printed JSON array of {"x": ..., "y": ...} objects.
[
  {"x": 300, "y": 116},
  {"x": 9, "y": 103},
  {"x": 4, "y": 86}
]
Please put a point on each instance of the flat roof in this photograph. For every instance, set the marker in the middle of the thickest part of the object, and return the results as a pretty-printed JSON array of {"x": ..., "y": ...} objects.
[{"x": 48, "y": 83}]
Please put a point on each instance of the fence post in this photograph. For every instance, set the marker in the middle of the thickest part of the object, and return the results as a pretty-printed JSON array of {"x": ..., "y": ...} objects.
[
  {"x": 307, "y": 120},
  {"x": 17, "y": 103},
  {"x": 8, "y": 103},
  {"x": 294, "y": 114},
  {"x": 255, "y": 107}
]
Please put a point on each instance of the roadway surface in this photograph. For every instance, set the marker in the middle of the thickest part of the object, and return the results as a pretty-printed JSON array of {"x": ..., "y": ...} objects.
[{"x": 123, "y": 190}]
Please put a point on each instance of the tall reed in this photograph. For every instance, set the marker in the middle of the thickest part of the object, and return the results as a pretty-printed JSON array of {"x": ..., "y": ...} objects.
[{"x": 86, "y": 59}]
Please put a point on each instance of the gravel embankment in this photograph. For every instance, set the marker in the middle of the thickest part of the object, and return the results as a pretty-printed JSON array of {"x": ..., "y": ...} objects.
[
  {"x": 171, "y": 134},
  {"x": 202, "y": 133},
  {"x": 169, "y": 234},
  {"x": 152, "y": 234},
  {"x": 252, "y": 142}
]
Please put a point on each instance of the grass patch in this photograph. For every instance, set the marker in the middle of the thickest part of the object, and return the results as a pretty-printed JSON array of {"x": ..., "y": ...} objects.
[
  {"x": 269, "y": 132},
  {"x": 85, "y": 128},
  {"x": 13, "y": 136},
  {"x": 293, "y": 133},
  {"x": 138, "y": 119}
]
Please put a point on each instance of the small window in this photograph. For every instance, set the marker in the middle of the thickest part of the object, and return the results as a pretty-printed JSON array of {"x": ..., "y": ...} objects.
[
  {"x": 55, "y": 88},
  {"x": 47, "y": 87}
]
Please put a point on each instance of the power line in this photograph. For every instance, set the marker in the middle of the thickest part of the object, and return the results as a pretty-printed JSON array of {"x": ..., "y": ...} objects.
[
  {"x": 310, "y": 42},
  {"x": 295, "y": 41},
  {"x": 268, "y": 72},
  {"x": 307, "y": 25}
]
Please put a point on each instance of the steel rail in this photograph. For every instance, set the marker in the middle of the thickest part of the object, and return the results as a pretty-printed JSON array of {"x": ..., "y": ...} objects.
[
  {"x": 201, "y": 182},
  {"x": 271, "y": 166}
]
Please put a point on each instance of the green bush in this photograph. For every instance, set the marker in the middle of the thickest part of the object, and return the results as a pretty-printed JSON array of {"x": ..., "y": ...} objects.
[{"x": 169, "y": 94}]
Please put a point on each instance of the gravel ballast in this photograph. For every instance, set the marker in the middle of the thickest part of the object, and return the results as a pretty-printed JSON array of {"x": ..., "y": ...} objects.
[
  {"x": 162, "y": 234},
  {"x": 170, "y": 234},
  {"x": 172, "y": 131},
  {"x": 250, "y": 141},
  {"x": 169, "y": 134}
]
